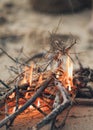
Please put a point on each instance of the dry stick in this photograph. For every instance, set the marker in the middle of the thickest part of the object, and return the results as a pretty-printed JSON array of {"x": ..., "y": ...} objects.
[
  {"x": 13, "y": 90},
  {"x": 6, "y": 113},
  {"x": 39, "y": 55},
  {"x": 63, "y": 123},
  {"x": 7, "y": 94},
  {"x": 81, "y": 66},
  {"x": 53, "y": 127},
  {"x": 39, "y": 109},
  {"x": 17, "y": 101},
  {"x": 14, "y": 60},
  {"x": 17, "y": 93},
  {"x": 67, "y": 96},
  {"x": 5, "y": 85},
  {"x": 53, "y": 114},
  {"x": 84, "y": 101},
  {"x": 57, "y": 110},
  {"x": 27, "y": 104}
]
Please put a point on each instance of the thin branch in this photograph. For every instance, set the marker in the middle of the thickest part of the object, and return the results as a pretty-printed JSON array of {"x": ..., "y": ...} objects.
[
  {"x": 27, "y": 104},
  {"x": 4, "y": 84}
]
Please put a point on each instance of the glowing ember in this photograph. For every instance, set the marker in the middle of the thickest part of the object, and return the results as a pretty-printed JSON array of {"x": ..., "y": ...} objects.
[
  {"x": 57, "y": 75},
  {"x": 69, "y": 74},
  {"x": 31, "y": 107},
  {"x": 27, "y": 94},
  {"x": 40, "y": 79},
  {"x": 12, "y": 96},
  {"x": 38, "y": 103},
  {"x": 14, "y": 109},
  {"x": 19, "y": 106}
]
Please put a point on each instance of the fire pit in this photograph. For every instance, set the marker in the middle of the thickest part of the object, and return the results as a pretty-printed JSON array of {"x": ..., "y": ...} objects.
[{"x": 47, "y": 87}]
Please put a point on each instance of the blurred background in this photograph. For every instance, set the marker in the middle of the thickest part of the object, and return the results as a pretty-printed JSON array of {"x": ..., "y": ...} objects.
[{"x": 25, "y": 28}]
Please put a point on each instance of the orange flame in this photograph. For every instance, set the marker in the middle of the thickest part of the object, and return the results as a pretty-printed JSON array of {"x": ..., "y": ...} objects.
[
  {"x": 40, "y": 79},
  {"x": 38, "y": 103},
  {"x": 31, "y": 107},
  {"x": 26, "y": 96},
  {"x": 19, "y": 106},
  {"x": 14, "y": 108},
  {"x": 69, "y": 73},
  {"x": 24, "y": 81},
  {"x": 12, "y": 96}
]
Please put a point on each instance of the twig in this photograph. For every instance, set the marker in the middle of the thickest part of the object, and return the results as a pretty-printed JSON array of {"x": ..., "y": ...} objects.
[
  {"x": 14, "y": 60},
  {"x": 8, "y": 55},
  {"x": 39, "y": 55},
  {"x": 27, "y": 104},
  {"x": 6, "y": 113},
  {"x": 39, "y": 109},
  {"x": 66, "y": 116},
  {"x": 7, "y": 94},
  {"x": 5, "y": 85},
  {"x": 84, "y": 101},
  {"x": 81, "y": 66},
  {"x": 56, "y": 111}
]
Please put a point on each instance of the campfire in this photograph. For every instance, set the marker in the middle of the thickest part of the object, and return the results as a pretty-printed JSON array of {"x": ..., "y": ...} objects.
[{"x": 47, "y": 88}]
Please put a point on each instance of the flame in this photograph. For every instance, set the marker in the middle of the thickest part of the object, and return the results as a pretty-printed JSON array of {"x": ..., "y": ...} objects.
[
  {"x": 14, "y": 108},
  {"x": 40, "y": 79},
  {"x": 57, "y": 75},
  {"x": 27, "y": 93},
  {"x": 24, "y": 81},
  {"x": 69, "y": 73},
  {"x": 12, "y": 96},
  {"x": 19, "y": 106},
  {"x": 38, "y": 103},
  {"x": 31, "y": 107}
]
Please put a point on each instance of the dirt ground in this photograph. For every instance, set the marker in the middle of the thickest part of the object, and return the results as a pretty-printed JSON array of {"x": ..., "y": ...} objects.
[{"x": 27, "y": 30}]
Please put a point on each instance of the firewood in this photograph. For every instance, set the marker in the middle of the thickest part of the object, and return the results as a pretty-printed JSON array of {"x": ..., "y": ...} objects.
[
  {"x": 27, "y": 104},
  {"x": 60, "y": 108},
  {"x": 84, "y": 101}
]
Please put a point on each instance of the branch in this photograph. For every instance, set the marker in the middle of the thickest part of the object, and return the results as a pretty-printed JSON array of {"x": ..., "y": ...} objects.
[
  {"x": 27, "y": 104},
  {"x": 57, "y": 110},
  {"x": 84, "y": 101}
]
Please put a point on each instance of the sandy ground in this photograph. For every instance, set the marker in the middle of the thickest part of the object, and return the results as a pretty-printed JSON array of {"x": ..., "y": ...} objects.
[{"x": 27, "y": 29}]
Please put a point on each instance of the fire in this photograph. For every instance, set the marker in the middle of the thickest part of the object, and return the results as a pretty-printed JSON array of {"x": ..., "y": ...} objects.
[
  {"x": 19, "y": 106},
  {"x": 24, "y": 81},
  {"x": 12, "y": 96},
  {"x": 28, "y": 75},
  {"x": 26, "y": 96},
  {"x": 38, "y": 103},
  {"x": 69, "y": 73},
  {"x": 31, "y": 107},
  {"x": 14, "y": 109},
  {"x": 40, "y": 79}
]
